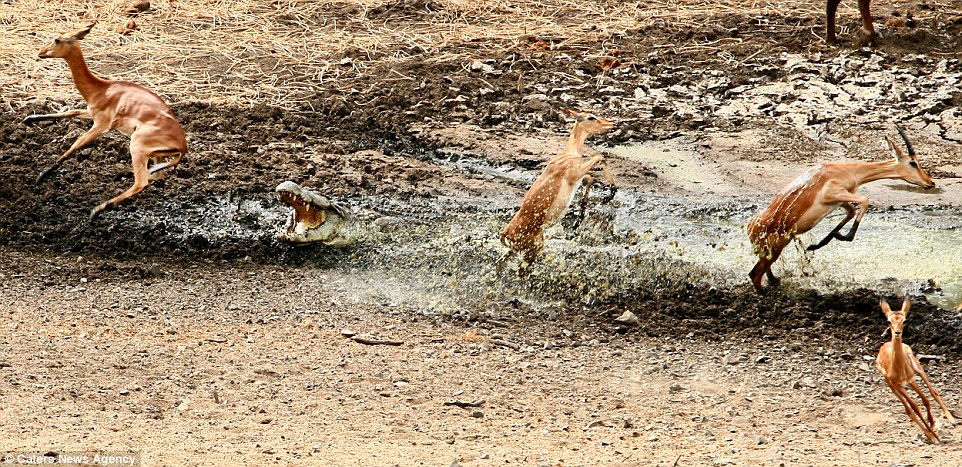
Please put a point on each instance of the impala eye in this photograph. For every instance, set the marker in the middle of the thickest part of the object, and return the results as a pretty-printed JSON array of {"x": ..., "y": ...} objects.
[
  {"x": 56, "y": 41},
  {"x": 913, "y": 164},
  {"x": 592, "y": 118}
]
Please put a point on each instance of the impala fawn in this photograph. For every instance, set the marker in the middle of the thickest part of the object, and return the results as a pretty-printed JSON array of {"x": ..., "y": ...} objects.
[{"x": 551, "y": 194}]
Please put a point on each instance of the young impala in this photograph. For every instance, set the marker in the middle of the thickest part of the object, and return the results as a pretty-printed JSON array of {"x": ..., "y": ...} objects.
[
  {"x": 899, "y": 366},
  {"x": 130, "y": 108},
  {"x": 551, "y": 194},
  {"x": 804, "y": 202}
]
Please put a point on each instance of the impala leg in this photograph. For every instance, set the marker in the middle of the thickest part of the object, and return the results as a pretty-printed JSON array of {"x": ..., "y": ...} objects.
[
  {"x": 849, "y": 214},
  {"x": 610, "y": 181},
  {"x": 77, "y": 113},
  {"x": 529, "y": 256},
  {"x": 925, "y": 401},
  {"x": 139, "y": 160},
  {"x": 869, "y": 36},
  {"x": 757, "y": 273},
  {"x": 862, "y": 207},
  {"x": 500, "y": 262},
  {"x": 912, "y": 410},
  {"x": 763, "y": 268},
  {"x": 917, "y": 366},
  {"x": 830, "y": 10},
  {"x": 169, "y": 161},
  {"x": 587, "y": 182},
  {"x": 82, "y": 141}
]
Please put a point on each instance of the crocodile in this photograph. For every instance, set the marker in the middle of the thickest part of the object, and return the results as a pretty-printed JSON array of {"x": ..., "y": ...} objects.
[{"x": 315, "y": 219}]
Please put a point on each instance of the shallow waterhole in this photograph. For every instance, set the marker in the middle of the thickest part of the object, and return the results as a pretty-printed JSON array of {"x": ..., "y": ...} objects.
[{"x": 637, "y": 240}]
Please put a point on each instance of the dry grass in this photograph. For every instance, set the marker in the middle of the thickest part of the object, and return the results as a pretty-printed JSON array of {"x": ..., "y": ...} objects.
[{"x": 281, "y": 52}]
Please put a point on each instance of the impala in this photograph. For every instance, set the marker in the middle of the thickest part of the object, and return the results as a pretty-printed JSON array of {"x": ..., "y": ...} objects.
[
  {"x": 804, "y": 202},
  {"x": 551, "y": 194},
  {"x": 132, "y": 109},
  {"x": 899, "y": 366}
]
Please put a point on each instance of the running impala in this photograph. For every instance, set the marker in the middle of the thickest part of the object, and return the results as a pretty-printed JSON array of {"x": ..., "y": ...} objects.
[
  {"x": 899, "y": 366},
  {"x": 551, "y": 194},
  {"x": 132, "y": 109},
  {"x": 804, "y": 202}
]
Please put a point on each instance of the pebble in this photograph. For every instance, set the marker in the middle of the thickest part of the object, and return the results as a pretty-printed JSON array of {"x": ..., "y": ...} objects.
[{"x": 627, "y": 318}]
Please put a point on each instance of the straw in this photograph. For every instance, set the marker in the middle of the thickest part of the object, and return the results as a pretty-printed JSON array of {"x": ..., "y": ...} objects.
[{"x": 284, "y": 52}]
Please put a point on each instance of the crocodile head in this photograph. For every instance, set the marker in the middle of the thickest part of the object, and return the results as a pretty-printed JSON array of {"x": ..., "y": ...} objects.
[{"x": 315, "y": 219}]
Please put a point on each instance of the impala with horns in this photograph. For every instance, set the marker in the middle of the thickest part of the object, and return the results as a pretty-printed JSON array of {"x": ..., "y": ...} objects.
[
  {"x": 899, "y": 366},
  {"x": 804, "y": 202},
  {"x": 155, "y": 135},
  {"x": 551, "y": 194}
]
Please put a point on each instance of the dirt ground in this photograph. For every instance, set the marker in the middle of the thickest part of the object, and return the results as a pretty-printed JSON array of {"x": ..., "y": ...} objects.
[{"x": 178, "y": 328}]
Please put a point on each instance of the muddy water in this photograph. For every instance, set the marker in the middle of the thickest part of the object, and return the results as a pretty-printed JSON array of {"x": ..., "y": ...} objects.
[
  {"x": 898, "y": 251},
  {"x": 438, "y": 258}
]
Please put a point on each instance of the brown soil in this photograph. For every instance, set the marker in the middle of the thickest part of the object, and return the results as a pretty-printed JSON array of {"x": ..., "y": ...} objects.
[{"x": 195, "y": 347}]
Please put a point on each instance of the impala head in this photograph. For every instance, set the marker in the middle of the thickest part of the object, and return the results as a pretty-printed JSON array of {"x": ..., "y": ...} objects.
[
  {"x": 896, "y": 318},
  {"x": 908, "y": 165},
  {"x": 65, "y": 43},
  {"x": 590, "y": 123}
]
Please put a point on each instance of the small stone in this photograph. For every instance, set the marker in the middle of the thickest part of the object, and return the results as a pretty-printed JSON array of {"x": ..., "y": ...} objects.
[
  {"x": 730, "y": 359},
  {"x": 594, "y": 424},
  {"x": 627, "y": 318},
  {"x": 675, "y": 388},
  {"x": 477, "y": 414}
]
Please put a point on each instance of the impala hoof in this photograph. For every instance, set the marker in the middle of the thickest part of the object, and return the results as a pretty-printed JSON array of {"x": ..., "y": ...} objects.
[
  {"x": 95, "y": 212},
  {"x": 46, "y": 173}
]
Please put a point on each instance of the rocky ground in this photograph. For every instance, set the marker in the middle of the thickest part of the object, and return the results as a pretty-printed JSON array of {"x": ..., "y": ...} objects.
[{"x": 178, "y": 327}]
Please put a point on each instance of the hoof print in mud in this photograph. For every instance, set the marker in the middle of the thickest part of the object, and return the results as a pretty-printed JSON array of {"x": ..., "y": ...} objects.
[{"x": 315, "y": 219}]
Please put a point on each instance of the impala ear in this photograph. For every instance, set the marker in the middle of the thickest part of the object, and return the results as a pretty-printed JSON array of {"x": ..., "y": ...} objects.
[
  {"x": 81, "y": 33},
  {"x": 906, "y": 304},
  {"x": 578, "y": 116},
  {"x": 885, "y": 307},
  {"x": 896, "y": 152}
]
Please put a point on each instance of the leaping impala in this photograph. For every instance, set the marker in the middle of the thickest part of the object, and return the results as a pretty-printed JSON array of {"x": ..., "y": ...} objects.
[
  {"x": 899, "y": 366},
  {"x": 130, "y": 108},
  {"x": 551, "y": 194},
  {"x": 804, "y": 202}
]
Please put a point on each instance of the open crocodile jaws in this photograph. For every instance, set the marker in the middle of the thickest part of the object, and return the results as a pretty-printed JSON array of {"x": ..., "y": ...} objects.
[{"x": 315, "y": 218}]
